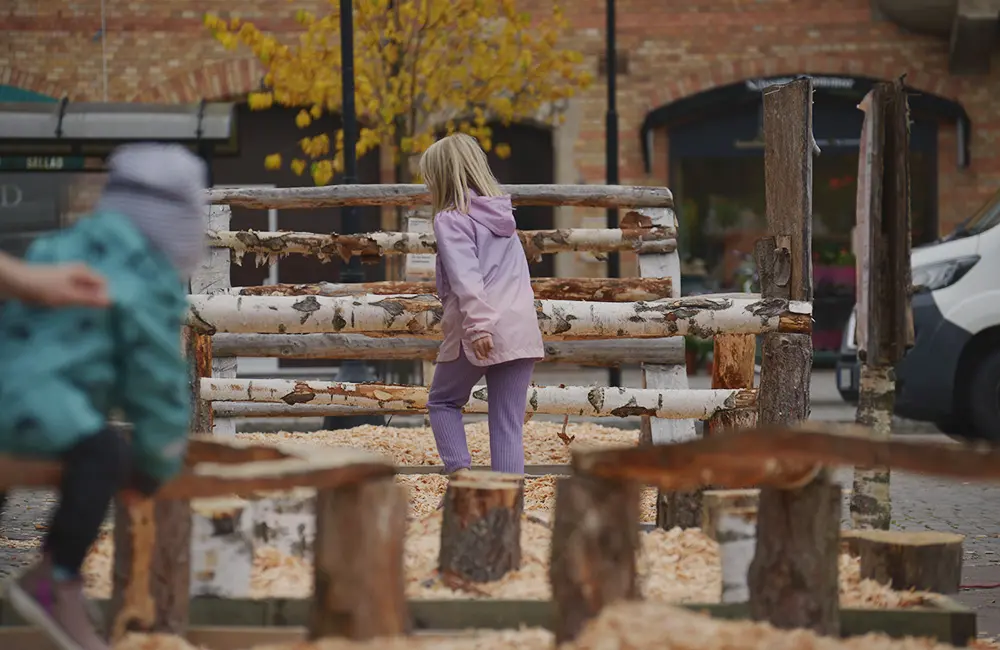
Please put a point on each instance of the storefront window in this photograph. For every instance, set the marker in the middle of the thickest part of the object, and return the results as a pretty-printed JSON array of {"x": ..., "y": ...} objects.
[
  {"x": 722, "y": 214},
  {"x": 33, "y": 203}
]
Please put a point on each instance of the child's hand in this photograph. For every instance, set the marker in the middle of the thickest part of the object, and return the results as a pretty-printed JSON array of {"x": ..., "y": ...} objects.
[
  {"x": 60, "y": 286},
  {"x": 482, "y": 347}
]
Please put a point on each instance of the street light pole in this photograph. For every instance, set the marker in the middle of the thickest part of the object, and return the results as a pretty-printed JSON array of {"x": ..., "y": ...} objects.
[
  {"x": 611, "y": 144},
  {"x": 351, "y": 370}
]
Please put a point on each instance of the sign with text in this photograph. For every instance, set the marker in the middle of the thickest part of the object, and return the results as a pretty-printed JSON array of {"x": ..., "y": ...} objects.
[{"x": 420, "y": 266}]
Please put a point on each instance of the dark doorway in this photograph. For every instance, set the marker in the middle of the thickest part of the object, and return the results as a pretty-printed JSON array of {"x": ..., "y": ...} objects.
[
  {"x": 532, "y": 161},
  {"x": 261, "y": 133}
]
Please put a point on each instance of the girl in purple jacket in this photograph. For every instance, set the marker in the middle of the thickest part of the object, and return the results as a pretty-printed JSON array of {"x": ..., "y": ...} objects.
[{"x": 489, "y": 323}]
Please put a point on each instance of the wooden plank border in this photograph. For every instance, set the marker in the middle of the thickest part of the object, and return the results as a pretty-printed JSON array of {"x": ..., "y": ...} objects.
[{"x": 944, "y": 620}]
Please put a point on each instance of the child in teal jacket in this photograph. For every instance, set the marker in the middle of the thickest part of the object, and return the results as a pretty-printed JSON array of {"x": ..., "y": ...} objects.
[{"x": 63, "y": 369}]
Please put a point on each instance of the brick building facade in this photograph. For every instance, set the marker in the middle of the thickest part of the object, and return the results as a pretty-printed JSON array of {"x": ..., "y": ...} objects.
[{"x": 160, "y": 52}]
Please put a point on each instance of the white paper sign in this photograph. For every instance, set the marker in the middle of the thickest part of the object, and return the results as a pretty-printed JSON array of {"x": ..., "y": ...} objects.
[{"x": 419, "y": 266}]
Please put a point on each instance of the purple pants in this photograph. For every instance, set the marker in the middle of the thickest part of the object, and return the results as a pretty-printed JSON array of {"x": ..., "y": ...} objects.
[{"x": 507, "y": 385}]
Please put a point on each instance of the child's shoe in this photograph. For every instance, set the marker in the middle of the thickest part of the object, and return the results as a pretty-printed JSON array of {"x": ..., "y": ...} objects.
[{"x": 58, "y": 608}]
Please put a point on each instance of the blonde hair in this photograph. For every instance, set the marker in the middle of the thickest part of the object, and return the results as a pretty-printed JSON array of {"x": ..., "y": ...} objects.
[{"x": 451, "y": 167}]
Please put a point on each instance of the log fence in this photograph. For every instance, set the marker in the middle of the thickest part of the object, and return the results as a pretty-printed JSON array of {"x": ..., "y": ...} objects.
[{"x": 360, "y": 513}]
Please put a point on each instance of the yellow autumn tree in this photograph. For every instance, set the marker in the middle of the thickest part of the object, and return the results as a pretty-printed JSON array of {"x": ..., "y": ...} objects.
[{"x": 421, "y": 67}]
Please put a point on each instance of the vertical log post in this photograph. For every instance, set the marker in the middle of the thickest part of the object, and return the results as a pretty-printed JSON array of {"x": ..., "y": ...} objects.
[
  {"x": 733, "y": 365},
  {"x": 213, "y": 276},
  {"x": 736, "y": 532},
  {"x": 885, "y": 325},
  {"x": 793, "y": 576},
  {"x": 672, "y": 508},
  {"x": 198, "y": 349},
  {"x": 152, "y": 575},
  {"x": 595, "y": 539},
  {"x": 360, "y": 584}
]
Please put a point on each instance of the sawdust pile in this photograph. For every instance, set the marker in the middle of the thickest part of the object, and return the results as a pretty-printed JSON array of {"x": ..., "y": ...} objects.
[
  {"x": 674, "y": 566},
  {"x": 135, "y": 641},
  {"x": 415, "y": 445}
]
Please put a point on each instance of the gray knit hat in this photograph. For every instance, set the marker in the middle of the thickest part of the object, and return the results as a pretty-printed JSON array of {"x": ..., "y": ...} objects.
[{"x": 161, "y": 188}]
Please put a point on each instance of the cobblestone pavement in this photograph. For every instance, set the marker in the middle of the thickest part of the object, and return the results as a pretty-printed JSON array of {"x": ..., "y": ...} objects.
[{"x": 919, "y": 503}]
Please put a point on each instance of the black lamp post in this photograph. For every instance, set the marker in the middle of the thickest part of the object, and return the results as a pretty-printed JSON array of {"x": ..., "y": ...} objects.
[
  {"x": 611, "y": 144},
  {"x": 350, "y": 369}
]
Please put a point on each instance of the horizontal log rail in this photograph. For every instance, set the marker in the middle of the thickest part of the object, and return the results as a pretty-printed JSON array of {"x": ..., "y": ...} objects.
[
  {"x": 230, "y": 467},
  {"x": 783, "y": 457},
  {"x": 584, "y": 401},
  {"x": 420, "y": 316},
  {"x": 269, "y": 246},
  {"x": 589, "y": 289},
  {"x": 408, "y": 195},
  {"x": 601, "y": 353}
]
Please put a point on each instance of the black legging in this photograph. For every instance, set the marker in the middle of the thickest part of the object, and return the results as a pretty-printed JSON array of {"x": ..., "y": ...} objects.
[{"x": 93, "y": 472}]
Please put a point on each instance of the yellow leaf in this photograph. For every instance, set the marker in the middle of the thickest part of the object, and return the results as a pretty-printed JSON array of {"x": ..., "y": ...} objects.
[
  {"x": 273, "y": 161},
  {"x": 502, "y": 150},
  {"x": 298, "y": 166},
  {"x": 302, "y": 120}
]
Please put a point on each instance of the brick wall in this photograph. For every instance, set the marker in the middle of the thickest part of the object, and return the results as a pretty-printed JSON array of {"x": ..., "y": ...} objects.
[{"x": 159, "y": 52}]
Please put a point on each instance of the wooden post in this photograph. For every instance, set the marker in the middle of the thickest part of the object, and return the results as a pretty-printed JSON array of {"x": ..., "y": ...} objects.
[
  {"x": 733, "y": 366},
  {"x": 672, "y": 508},
  {"x": 884, "y": 322},
  {"x": 714, "y": 502},
  {"x": 927, "y": 561},
  {"x": 793, "y": 577},
  {"x": 359, "y": 592},
  {"x": 481, "y": 527},
  {"x": 421, "y": 266},
  {"x": 198, "y": 349},
  {"x": 595, "y": 539},
  {"x": 736, "y": 532},
  {"x": 211, "y": 277},
  {"x": 152, "y": 567}
]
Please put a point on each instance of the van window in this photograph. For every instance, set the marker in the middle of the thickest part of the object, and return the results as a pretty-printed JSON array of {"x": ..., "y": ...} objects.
[{"x": 984, "y": 219}]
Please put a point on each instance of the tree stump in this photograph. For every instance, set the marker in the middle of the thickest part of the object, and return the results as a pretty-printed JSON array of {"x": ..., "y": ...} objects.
[
  {"x": 481, "y": 526},
  {"x": 595, "y": 539},
  {"x": 714, "y": 502},
  {"x": 926, "y": 561},
  {"x": 152, "y": 574},
  {"x": 360, "y": 584},
  {"x": 736, "y": 532}
]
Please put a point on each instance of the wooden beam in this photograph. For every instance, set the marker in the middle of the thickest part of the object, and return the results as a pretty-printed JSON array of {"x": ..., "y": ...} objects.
[
  {"x": 420, "y": 316},
  {"x": 269, "y": 247},
  {"x": 589, "y": 401},
  {"x": 596, "y": 352},
  {"x": 588, "y": 289},
  {"x": 332, "y": 196}
]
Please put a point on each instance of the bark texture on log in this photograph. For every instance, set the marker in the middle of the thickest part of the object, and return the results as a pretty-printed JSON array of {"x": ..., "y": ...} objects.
[
  {"x": 594, "y": 196},
  {"x": 359, "y": 569},
  {"x": 152, "y": 573},
  {"x": 614, "y": 352},
  {"x": 595, "y": 539},
  {"x": 481, "y": 527},
  {"x": 925, "y": 561},
  {"x": 595, "y": 401},
  {"x": 558, "y": 319},
  {"x": 871, "y": 504},
  {"x": 589, "y": 289},
  {"x": 198, "y": 348},
  {"x": 268, "y": 247},
  {"x": 794, "y": 582}
]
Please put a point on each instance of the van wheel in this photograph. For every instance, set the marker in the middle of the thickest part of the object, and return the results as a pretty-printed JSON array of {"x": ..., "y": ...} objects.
[{"x": 984, "y": 399}]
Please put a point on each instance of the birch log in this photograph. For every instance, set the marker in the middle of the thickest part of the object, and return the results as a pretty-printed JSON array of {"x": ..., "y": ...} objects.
[
  {"x": 587, "y": 401},
  {"x": 736, "y": 532},
  {"x": 609, "y": 352},
  {"x": 590, "y": 289},
  {"x": 269, "y": 247},
  {"x": 408, "y": 195},
  {"x": 558, "y": 319},
  {"x": 871, "y": 505}
]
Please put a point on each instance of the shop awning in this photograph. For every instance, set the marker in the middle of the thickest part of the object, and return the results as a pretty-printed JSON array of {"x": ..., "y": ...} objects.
[
  {"x": 850, "y": 89},
  {"x": 39, "y": 128}
]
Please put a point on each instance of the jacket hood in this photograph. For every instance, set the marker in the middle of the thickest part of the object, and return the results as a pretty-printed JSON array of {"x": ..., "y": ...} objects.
[{"x": 493, "y": 212}]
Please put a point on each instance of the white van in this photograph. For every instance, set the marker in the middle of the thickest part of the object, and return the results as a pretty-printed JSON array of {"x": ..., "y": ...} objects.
[{"x": 951, "y": 377}]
